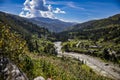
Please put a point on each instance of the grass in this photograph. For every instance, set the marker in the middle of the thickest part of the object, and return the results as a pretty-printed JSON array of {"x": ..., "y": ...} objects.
[{"x": 61, "y": 68}]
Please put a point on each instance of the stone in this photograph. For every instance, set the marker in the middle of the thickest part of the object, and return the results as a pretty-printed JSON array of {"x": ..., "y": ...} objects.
[{"x": 39, "y": 78}]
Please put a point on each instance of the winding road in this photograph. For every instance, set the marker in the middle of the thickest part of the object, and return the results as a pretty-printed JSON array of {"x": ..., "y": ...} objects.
[{"x": 100, "y": 67}]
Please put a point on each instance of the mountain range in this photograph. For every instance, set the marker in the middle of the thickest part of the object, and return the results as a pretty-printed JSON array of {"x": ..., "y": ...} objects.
[
  {"x": 21, "y": 25},
  {"x": 54, "y": 25},
  {"x": 107, "y": 29}
]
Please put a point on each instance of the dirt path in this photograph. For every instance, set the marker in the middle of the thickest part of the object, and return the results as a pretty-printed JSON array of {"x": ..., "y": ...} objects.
[{"x": 106, "y": 69}]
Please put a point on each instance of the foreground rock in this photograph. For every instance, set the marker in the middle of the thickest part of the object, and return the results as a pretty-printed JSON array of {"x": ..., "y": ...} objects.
[{"x": 9, "y": 71}]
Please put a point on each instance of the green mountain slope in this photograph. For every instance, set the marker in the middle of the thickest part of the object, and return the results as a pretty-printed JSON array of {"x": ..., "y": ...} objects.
[
  {"x": 21, "y": 25},
  {"x": 107, "y": 29},
  {"x": 18, "y": 38},
  {"x": 33, "y": 34}
]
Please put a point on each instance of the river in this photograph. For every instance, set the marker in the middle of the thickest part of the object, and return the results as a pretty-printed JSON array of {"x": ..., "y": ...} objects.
[{"x": 103, "y": 68}]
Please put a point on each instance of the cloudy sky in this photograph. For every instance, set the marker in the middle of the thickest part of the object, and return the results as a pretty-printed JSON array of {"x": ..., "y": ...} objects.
[{"x": 67, "y": 10}]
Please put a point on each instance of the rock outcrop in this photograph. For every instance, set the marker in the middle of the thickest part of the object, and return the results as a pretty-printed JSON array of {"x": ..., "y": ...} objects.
[{"x": 9, "y": 71}]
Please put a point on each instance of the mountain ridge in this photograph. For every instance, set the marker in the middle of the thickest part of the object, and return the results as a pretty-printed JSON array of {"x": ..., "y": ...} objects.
[
  {"x": 21, "y": 25},
  {"x": 86, "y": 24},
  {"x": 54, "y": 25},
  {"x": 107, "y": 28}
]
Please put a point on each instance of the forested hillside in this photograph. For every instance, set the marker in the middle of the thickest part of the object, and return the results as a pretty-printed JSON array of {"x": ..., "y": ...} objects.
[
  {"x": 28, "y": 31},
  {"x": 100, "y": 38},
  {"x": 19, "y": 37},
  {"x": 107, "y": 29},
  {"x": 21, "y": 25}
]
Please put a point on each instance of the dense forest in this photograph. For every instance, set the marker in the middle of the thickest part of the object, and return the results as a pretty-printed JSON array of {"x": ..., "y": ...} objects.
[{"x": 31, "y": 49}]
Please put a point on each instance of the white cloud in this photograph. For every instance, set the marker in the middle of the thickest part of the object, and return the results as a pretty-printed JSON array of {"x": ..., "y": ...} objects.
[
  {"x": 58, "y": 10},
  {"x": 39, "y": 8}
]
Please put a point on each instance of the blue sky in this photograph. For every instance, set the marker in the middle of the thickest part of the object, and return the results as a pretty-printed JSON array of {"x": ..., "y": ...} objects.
[{"x": 68, "y": 10}]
